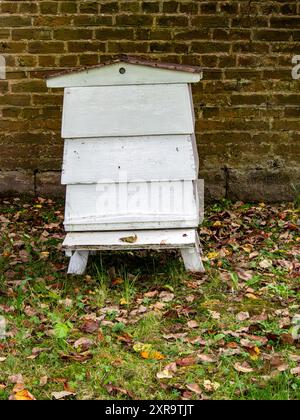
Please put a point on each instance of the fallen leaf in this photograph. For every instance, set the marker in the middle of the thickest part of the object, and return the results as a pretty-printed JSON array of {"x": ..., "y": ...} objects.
[
  {"x": 61, "y": 395},
  {"x": 205, "y": 358},
  {"x": 16, "y": 379},
  {"x": 129, "y": 239},
  {"x": 212, "y": 255},
  {"x": 251, "y": 296},
  {"x": 82, "y": 357},
  {"x": 265, "y": 263},
  {"x": 244, "y": 367},
  {"x": 187, "y": 361},
  {"x": 211, "y": 386},
  {"x": 43, "y": 380},
  {"x": 166, "y": 296},
  {"x": 296, "y": 371},
  {"x": 194, "y": 388},
  {"x": 90, "y": 326},
  {"x": 83, "y": 343},
  {"x": 287, "y": 339},
  {"x": 111, "y": 389},
  {"x": 165, "y": 374},
  {"x": 242, "y": 316},
  {"x": 193, "y": 324},
  {"x": 2, "y": 359},
  {"x": 153, "y": 355},
  {"x": 23, "y": 395},
  {"x": 123, "y": 301}
]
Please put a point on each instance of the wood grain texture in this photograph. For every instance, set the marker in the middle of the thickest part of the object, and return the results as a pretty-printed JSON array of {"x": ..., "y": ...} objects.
[
  {"x": 129, "y": 159},
  {"x": 110, "y": 111}
]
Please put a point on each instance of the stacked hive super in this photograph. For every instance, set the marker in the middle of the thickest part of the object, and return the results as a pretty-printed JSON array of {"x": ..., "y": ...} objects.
[{"x": 130, "y": 159}]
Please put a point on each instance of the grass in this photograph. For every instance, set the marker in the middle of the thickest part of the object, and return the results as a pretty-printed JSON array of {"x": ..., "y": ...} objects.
[{"x": 140, "y": 312}]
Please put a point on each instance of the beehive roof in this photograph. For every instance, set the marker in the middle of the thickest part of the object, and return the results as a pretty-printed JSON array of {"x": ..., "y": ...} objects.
[{"x": 102, "y": 73}]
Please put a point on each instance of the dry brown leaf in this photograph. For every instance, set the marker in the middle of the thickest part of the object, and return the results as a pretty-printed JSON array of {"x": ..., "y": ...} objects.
[
  {"x": 166, "y": 296},
  {"x": 83, "y": 343},
  {"x": 187, "y": 361},
  {"x": 193, "y": 324},
  {"x": 90, "y": 326},
  {"x": 43, "y": 380},
  {"x": 243, "y": 367},
  {"x": 61, "y": 395},
  {"x": 296, "y": 371},
  {"x": 211, "y": 386},
  {"x": 242, "y": 316},
  {"x": 194, "y": 388},
  {"x": 205, "y": 358}
]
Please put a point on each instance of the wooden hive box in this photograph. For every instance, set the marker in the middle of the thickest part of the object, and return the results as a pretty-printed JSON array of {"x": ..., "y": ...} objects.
[{"x": 130, "y": 159}]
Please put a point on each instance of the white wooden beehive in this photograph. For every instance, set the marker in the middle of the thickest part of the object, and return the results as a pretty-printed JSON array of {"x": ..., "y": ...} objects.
[{"x": 130, "y": 159}]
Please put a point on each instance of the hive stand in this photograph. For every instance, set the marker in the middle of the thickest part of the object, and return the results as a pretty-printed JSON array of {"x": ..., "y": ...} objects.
[
  {"x": 130, "y": 159},
  {"x": 79, "y": 246}
]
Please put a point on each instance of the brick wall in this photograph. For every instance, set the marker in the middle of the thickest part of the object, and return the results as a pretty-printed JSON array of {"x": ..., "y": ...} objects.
[{"x": 247, "y": 107}]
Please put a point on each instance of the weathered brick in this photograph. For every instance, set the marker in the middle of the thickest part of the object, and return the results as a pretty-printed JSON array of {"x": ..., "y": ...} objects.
[
  {"x": 16, "y": 182},
  {"x": 170, "y": 20},
  {"x": 210, "y": 21},
  {"x": 29, "y": 86},
  {"x": 39, "y": 47},
  {"x": 86, "y": 46},
  {"x": 9, "y": 7},
  {"x": 13, "y": 21},
  {"x": 272, "y": 35},
  {"x": 130, "y": 6},
  {"x": 110, "y": 7},
  {"x": 29, "y": 7},
  {"x": 30, "y": 34},
  {"x": 134, "y": 20},
  {"x": 64, "y": 34},
  {"x": 150, "y": 7},
  {"x": 92, "y": 20},
  {"x": 49, "y": 7},
  {"x": 68, "y": 7},
  {"x": 246, "y": 106},
  {"x": 47, "y": 60},
  {"x": 208, "y": 8},
  {"x": 114, "y": 33},
  {"x": 128, "y": 47},
  {"x": 68, "y": 60},
  {"x": 48, "y": 184},
  {"x": 170, "y": 6},
  {"x": 89, "y": 7}
]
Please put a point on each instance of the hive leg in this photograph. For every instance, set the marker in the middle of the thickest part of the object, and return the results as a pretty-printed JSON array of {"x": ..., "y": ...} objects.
[
  {"x": 192, "y": 257},
  {"x": 78, "y": 262}
]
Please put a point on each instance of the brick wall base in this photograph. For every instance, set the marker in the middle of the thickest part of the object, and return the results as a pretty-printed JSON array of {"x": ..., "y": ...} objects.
[{"x": 256, "y": 185}]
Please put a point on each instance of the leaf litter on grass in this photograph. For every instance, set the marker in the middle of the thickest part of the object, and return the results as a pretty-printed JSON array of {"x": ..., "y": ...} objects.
[{"x": 209, "y": 336}]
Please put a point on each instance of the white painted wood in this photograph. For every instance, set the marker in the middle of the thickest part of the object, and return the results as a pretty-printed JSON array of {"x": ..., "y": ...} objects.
[
  {"x": 192, "y": 260},
  {"x": 110, "y": 75},
  {"x": 192, "y": 257},
  {"x": 78, "y": 262},
  {"x": 110, "y": 111},
  {"x": 145, "y": 239},
  {"x": 128, "y": 159},
  {"x": 142, "y": 205}
]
